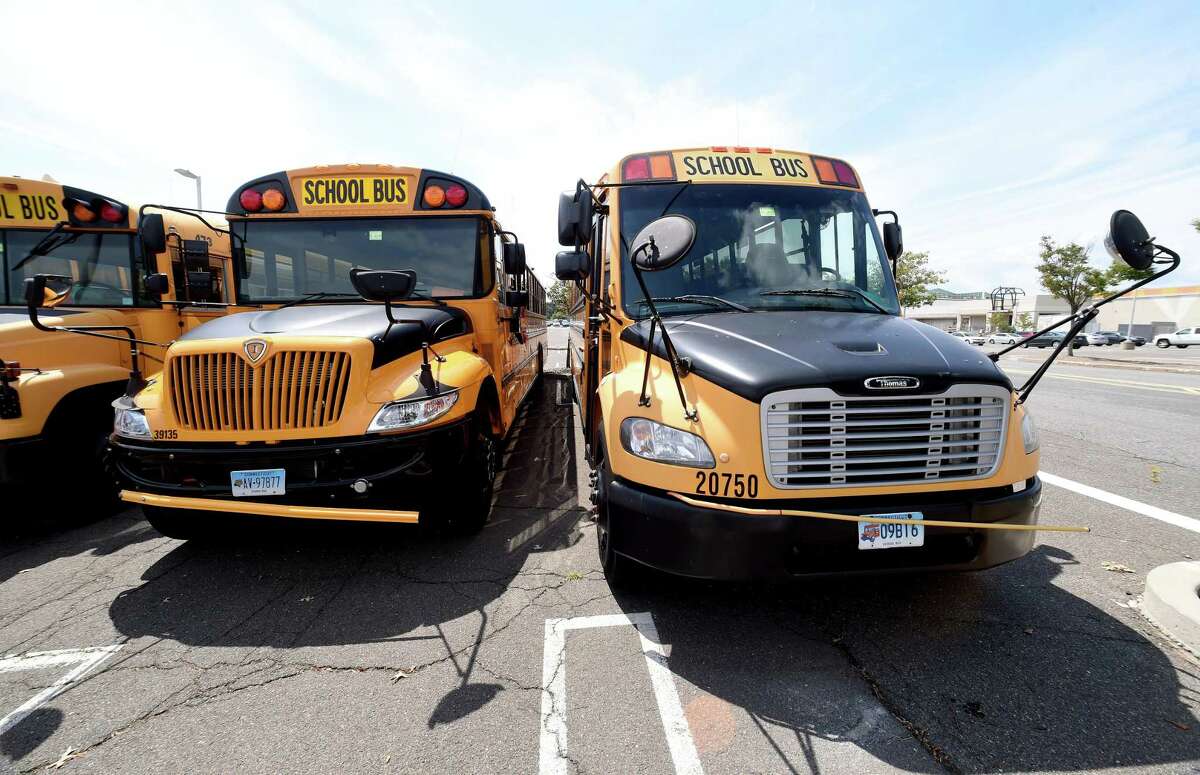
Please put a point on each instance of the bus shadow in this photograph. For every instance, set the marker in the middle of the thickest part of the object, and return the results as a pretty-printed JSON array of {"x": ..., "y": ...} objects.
[
  {"x": 999, "y": 671},
  {"x": 403, "y": 596},
  {"x": 28, "y": 542}
]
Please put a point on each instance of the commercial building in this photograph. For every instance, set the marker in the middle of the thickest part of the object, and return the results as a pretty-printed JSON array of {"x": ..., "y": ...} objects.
[{"x": 1152, "y": 311}]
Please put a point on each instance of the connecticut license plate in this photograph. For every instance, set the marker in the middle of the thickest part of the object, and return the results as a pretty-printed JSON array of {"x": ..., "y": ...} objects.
[
  {"x": 875, "y": 535},
  {"x": 264, "y": 481}
]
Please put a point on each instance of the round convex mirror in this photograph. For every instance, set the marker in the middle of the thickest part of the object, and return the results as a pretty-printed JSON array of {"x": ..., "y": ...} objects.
[
  {"x": 662, "y": 242},
  {"x": 1128, "y": 240}
]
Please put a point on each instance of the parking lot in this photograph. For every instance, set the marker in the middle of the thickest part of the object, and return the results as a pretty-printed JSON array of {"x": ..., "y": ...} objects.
[{"x": 320, "y": 648}]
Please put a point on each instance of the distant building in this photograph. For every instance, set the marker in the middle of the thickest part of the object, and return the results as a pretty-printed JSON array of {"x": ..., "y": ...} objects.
[
  {"x": 1153, "y": 310},
  {"x": 972, "y": 311}
]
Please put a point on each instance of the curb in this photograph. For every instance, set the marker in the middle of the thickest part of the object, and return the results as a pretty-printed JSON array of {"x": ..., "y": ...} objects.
[
  {"x": 1172, "y": 602},
  {"x": 1107, "y": 363}
]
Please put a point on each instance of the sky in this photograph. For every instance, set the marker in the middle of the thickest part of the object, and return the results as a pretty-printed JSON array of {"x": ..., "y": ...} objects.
[{"x": 985, "y": 125}]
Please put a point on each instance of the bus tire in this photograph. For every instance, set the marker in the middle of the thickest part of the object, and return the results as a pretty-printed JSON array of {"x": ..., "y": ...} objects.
[
  {"x": 183, "y": 524},
  {"x": 620, "y": 571},
  {"x": 466, "y": 504}
]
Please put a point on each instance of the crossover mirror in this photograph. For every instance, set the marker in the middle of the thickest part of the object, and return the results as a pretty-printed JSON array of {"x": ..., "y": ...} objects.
[
  {"x": 662, "y": 242},
  {"x": 575, "y": 213},
  {"x": 893, "y": 241},
  {"x": 1128, "y": 240},
  {"x": 47, "y": 290},
  {"x": 514, "y": 258},
  {"x": 152, "y": 233},
  {"x": 200, "y": 285},
  {"x": 383, "y": 284},
  {"x": 572, "y": 265},
  {"x": 157, "y": 284}
]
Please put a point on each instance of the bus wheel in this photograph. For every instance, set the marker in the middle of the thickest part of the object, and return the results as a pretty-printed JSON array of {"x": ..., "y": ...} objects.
[
  {"x": 620, "y": 571},
  {"x": 179, "y": 523},
  {"x": 465, "y": 494}
]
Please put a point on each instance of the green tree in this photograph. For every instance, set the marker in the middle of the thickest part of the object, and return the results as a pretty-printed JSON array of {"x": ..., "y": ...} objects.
[
  {"x": 1025, "y": 321},
  {"x": 1120, "y": 273},
  {"x": 1196, "y": 224},
  {"x": 915, "y": 280},
  {"x": 1000, "y": 321},
  {"x": 1067, "y": 274},
  {"x": 559, "y": 300}
]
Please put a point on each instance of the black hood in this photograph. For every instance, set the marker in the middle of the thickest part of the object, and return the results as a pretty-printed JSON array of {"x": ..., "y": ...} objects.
[
  {"x": 756, "y": 353},
  {"x": 365, "y": 321}
]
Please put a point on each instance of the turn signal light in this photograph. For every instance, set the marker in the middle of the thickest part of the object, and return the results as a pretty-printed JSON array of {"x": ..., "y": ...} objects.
[
  {"x": 110, "y": 213},
  {"x": 83, "y": 213},
  {"x": 834, "y": 172},
  {"x": 251, "y": 200},
  {"x": 456, "y": 195},
  {"x": 435, "y": 196},
  {"x": 273, "y": 199},
  {"x": 11, "y": 370},
  {"x": 655, "y": 166}
]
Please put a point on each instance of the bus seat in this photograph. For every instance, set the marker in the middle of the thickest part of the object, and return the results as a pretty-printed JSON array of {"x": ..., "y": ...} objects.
[{"x": 769, "y": 267}]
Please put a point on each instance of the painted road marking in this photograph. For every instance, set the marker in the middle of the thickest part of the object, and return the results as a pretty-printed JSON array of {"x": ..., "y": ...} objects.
[
  {"x": 88, "y": 659},
  {"x": 1145, "y": 509},
  {"x": 552, "y": 757},
  {"x": 1159, "y": 387}
]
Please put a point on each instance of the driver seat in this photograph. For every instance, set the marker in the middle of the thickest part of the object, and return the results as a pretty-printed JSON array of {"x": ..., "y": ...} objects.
[{"x": 769, "y": 267}]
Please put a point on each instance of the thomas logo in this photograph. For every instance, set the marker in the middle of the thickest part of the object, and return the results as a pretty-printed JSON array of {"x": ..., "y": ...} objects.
[
  {"x": 255, "y": 349},
  {"x": 891, "y": 383}
]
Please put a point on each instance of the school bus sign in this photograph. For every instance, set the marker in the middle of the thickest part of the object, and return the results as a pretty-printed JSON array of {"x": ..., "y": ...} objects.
[
  {"x": 339, "y": 191},
  {"x": 730, "y": 164}
]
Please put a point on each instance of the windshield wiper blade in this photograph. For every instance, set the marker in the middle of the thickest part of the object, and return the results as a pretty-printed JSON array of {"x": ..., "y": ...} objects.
[
  {"x": 320, "y": 295},
  {"x": 712, "y": 301},
  {"x": 842, "y": 293}
]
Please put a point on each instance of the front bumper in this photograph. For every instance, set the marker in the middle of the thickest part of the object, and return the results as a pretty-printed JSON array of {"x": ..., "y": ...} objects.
[
  {"x": 654, "y": 529},
  {"x": 399, "y": 471}
]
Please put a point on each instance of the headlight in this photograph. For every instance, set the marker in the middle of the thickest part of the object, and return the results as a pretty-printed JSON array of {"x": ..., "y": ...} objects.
[
  {"x": 1029, "y": 433},
  {"x": 653, "y": 441},
  {"x": 128, "y": 420},
  {"x": 409, "y": 414}
]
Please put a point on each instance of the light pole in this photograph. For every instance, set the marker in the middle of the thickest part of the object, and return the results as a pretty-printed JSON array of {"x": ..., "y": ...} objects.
[{"x": 193, "y": 176}]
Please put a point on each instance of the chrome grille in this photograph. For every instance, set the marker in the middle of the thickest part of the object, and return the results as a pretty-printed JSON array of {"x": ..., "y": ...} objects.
[
  {"x": 814, "y": 437},
  {"x": 223, "y": 392}
]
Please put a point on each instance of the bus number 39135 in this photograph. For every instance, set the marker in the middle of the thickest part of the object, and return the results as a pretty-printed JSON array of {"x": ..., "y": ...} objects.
[{"x": 737, "y": 485}]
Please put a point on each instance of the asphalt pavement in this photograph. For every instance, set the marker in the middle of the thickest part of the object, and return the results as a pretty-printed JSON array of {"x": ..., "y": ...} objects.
[{"x": 357, "y": 648}]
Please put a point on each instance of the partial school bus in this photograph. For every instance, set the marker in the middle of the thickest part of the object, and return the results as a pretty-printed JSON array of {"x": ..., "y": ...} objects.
[
  {"x": 56, "y": 388},
  {"x": 408, "y": 332},
  {"x": 753, "y": 402}
]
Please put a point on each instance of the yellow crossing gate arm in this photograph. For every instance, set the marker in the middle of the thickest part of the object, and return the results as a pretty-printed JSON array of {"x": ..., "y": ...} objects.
[{"x": 878, "y": 520}]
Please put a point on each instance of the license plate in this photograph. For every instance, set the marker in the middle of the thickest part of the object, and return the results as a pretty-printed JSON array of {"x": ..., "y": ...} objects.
[
  {"x": 263, "y": 481},
  {"x": 875, "y": 535}
]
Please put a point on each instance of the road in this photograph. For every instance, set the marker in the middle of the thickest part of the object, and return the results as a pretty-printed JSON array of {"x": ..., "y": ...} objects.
[{"x": 305, "y": 648}]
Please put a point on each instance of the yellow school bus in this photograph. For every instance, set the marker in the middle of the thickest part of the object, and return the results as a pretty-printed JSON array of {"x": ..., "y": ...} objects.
[
  {"x": 408, "y": 332},
  {"x": 56, "y": 389},
  {"x": 744, "y": 379}
]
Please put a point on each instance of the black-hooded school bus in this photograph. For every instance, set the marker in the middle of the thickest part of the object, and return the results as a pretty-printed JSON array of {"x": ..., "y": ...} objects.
[
  {"x": 56, "y": 389},
  {"x": 407, "y": 332},
  {"x": 753, "y": 402}
]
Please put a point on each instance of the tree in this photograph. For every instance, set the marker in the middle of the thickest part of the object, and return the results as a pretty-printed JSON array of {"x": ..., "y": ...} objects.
[
  {"x": 1066, "y": 273},
  {"x": 1120, "y": 273},
  {"x": 559, "y": 298},
  {"x": 915, "y": 280},
  {"x": 1025, "y": 321},
  {"x": 1000, "y": 321},
  {"x": 1196, "y": 224}
]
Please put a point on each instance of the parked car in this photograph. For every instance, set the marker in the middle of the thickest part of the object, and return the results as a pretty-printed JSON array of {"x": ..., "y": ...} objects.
[
  {"x": 1104, "y": 338},
  {"x": 970, "y": 337},
  {"x": 1181, "y": 338},
  {"x": 1053, "y": 338},
  {"x": 1138, "y": 341},
  {"x": 1002, "y": 337}
]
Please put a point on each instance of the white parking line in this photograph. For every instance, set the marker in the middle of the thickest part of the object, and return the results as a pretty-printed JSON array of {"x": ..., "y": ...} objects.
[
  {"x": 552, "y": 758},
  {"x": 1145, "y": 509},
  {"x": 88, "y": 659}
]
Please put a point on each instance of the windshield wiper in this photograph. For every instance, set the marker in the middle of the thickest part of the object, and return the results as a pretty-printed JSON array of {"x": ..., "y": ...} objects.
[
  {"x": 712, "y": 301},
  {"x": 841, "y": 293},
  {"x": 320, "y": 295}
]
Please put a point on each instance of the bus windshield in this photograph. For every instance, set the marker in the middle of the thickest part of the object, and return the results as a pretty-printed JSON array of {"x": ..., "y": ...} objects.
[
  {"x": 289, "y": 259},
  {"x": 762, "y": 247},
  {"x": 100, "y": 262}
]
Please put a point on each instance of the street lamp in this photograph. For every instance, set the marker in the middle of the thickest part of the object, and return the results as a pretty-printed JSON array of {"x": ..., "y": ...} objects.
[{"x": 193, "y": 176}]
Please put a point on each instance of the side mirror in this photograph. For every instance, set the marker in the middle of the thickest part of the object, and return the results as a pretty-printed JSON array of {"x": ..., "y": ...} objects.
[
  {"x": 1129, "y": 241},
  {"x": 514, "y": 258},
  {"x": 575, "y": 213},
  {"x": 572, "y": 265},
  {"x": 47, "y": 290},
  {"x": 516, "y": 298},
  {"x": 157, "y": 284},
  {"x": 383, "y": 284},
  {"x": 152, "y": 233},
  {"x": 893, "y": 241},
  {"x": 662, "y": 242}
]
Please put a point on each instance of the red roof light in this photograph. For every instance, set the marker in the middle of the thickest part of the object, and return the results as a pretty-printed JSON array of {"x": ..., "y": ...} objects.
[
  {"x": 637, "y": 168},
  {"x": 456, "y": 195},
  {"x": 251, "y": 200},
  {"x": 110, "y": 213}
]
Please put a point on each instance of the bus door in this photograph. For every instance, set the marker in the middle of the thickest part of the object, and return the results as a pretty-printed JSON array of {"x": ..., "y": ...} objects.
[{"x": 589, "y": 407}]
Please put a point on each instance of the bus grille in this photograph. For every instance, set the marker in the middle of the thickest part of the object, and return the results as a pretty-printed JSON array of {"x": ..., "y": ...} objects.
[
  {"x": 222, "y": 392},
  {"x": 814, "y": 437}
]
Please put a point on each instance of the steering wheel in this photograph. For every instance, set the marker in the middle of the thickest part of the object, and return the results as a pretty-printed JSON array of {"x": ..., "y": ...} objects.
[{"x": 831, "y": 271}]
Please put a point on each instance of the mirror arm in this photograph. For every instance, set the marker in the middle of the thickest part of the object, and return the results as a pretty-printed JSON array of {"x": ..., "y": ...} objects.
[
  {"x": 672, "y": 356},
  {"x": 136, "y": 381},
  {"x": 1081, "y": 320}
]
